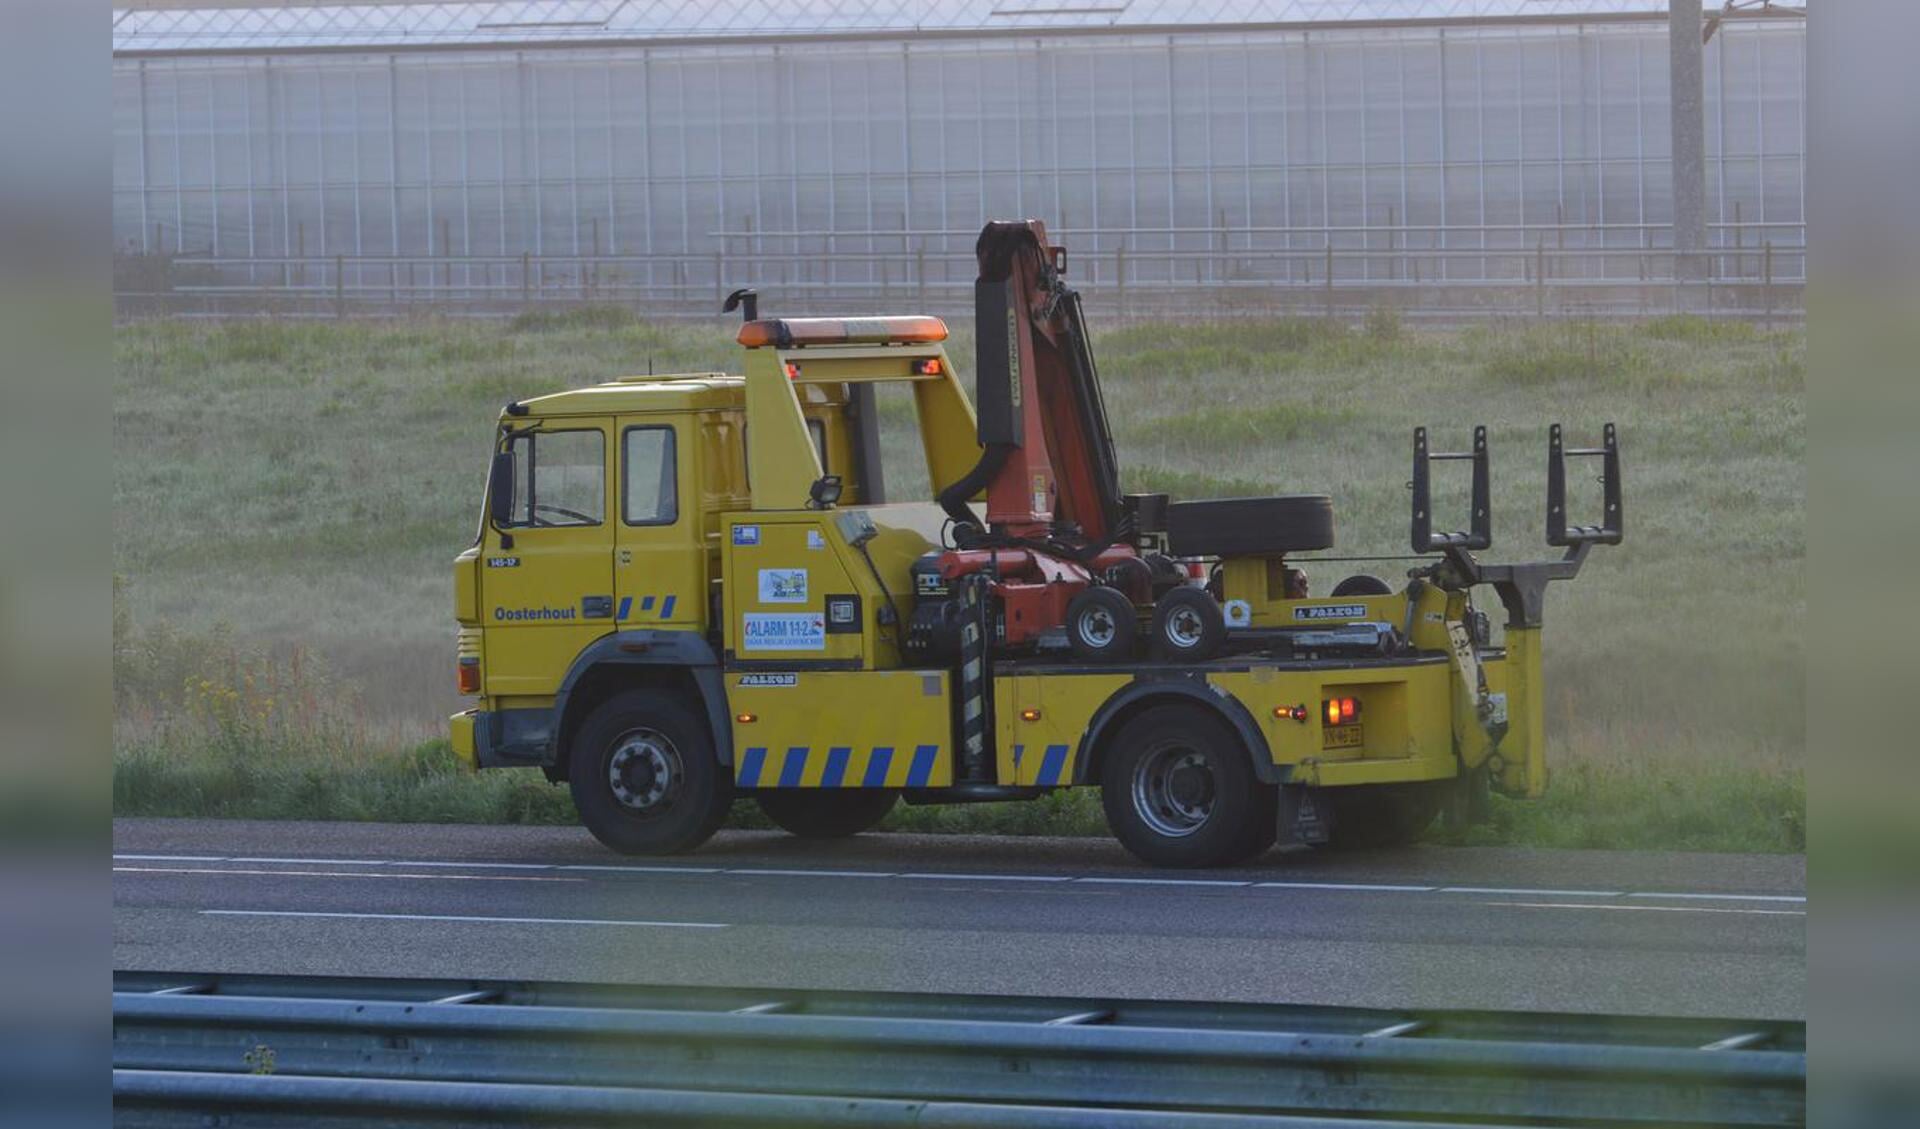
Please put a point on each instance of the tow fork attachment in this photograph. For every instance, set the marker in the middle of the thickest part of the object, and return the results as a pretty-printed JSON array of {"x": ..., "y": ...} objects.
[{"x": 1511, "y": 738}]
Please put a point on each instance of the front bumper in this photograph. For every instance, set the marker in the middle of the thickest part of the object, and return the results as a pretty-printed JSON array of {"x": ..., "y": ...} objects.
[
  {"x": 463, "y": 732},
  {"x": 502, "y": 738}
]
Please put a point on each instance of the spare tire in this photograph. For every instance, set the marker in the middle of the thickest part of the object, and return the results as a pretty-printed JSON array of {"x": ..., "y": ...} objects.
[{"x": 1250, "y": 527}]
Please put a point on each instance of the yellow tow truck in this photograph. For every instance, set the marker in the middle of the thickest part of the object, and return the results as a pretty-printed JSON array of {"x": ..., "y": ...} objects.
[{"x": 690, "y": 589}]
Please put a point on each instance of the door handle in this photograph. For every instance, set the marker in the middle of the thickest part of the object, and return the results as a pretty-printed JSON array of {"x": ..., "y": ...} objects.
[{"x": 596, "y": 607}]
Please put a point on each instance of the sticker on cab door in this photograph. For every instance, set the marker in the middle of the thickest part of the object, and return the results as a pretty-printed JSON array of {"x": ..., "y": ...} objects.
[
  {"x": 784, "y": 631},
  {"x": 746, "y": 535},
  {"x": 783, "y": 585}
]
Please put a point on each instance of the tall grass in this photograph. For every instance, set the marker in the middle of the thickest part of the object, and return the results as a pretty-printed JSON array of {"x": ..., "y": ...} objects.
[{"x": 306, "y": 484}]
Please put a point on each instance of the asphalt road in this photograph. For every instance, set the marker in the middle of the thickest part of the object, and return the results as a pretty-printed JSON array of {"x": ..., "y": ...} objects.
[{"x": 1428, "y": 927}]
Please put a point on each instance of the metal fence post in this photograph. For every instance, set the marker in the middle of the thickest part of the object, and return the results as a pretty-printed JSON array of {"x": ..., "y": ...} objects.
[
  {"x": 920, "y": 275},
  {"x": 526, "y": 280},
  {"x": 1766, "y": 280},
  {"x": 1540, "y": 276},
  {"x": 1120, "y": 276},
  {"x": 339, "y": 287},
  {"x": 1329, "y": 277}
]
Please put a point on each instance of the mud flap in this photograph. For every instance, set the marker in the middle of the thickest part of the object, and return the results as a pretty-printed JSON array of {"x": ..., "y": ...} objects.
[
  {"x": 1305, "y": 815},
  {"x": 1469, "y": 799}
]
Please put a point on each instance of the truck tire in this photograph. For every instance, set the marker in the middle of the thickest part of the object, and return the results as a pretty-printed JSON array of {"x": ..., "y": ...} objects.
[
  {"x": 826, "y": 813},
  {"x": 1250, "y": 527},
  {"x": 1188, "y": 626},
  {"x": 644, "y": 775},
  {"x": 1179, "y": 790},
  {"x": 1101, "y": 626},
  {"x": 1362, "y": 584},
  {"x": 1381, "y": 815}
]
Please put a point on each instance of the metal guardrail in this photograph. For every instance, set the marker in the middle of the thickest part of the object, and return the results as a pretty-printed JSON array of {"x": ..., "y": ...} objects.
[{"x": 309, "y": 1051}]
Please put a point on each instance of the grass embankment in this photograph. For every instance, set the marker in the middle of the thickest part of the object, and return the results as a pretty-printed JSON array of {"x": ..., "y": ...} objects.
[{"x": 306, "y": 486}]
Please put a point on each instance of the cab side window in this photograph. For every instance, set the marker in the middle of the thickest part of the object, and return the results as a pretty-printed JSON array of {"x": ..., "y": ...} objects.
[
  {"x": 559, "y": 478},
  {"x": 651, "y": 486}
]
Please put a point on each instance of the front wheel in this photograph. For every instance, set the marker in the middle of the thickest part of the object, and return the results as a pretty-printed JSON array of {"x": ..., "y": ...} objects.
[
  {"x": 1179, "y": 790},
  {"x": 822, "y": 813},
  {"x": 644, "y": 775}
]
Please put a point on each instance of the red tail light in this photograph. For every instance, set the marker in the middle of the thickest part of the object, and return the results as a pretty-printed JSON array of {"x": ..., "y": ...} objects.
[
  {"x": 469, "y": 675},
  {"x": 1340, "y": 711}
]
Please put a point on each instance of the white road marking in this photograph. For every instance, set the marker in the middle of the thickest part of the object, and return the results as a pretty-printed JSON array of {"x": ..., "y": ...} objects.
[
  {"x": 461, "y": 917},
  {"x": 995, "y": 877},
  {"x": 643, "y": 869},
  {"x": 1528, "y": 893},
  {"x": 1371, "y": 887},
  {"x": 1800, "y": 898},
  {"x": 388, "y": 865},
  {"x": 483, "y": 865},
  {"x": 1165, "y": 881},
  {"x": 770, "y": 872},
  {"x": 338, "y": 874},
  {"x": 1653, "y": 909},
  {"x": 307, "y": 862}
]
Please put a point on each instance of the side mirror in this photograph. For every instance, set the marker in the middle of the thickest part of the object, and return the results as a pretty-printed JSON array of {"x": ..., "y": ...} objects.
[{"x": 500, "y": 489}]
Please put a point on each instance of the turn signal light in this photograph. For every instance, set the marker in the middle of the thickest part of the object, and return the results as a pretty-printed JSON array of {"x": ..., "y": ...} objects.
[
  {"x": 1341, "y": 711},
  {"x": 1291, "y": 713},
  {"x": 469, "y": 675},
  {"x": 1029, "y": 715},
  {"x": 746, "y": 718}
]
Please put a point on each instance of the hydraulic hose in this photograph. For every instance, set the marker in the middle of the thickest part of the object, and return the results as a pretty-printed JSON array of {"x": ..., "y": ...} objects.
[{"x": 954, "y": 498}]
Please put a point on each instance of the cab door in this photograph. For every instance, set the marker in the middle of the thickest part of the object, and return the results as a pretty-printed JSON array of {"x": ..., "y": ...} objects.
[
  {"x": 546, "y": 578},
  {"x": 660, "y": 562}
]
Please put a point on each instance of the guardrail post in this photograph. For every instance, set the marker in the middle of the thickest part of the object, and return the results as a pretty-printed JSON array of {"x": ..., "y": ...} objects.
[{"x": 339, "y": 287}]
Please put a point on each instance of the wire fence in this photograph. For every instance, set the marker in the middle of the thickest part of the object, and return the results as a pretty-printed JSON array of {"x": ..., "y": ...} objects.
[{"x": 1753, "y": 271}]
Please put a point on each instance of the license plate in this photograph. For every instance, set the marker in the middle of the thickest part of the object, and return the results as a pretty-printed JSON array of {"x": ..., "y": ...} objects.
[{"x": 1341, "y": 737}]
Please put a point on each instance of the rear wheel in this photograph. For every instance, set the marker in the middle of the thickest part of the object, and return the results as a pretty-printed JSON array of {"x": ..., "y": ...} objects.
[
  {"x": 1179, "y": 790},
  {"x": 1382, "y": 815},
  {"x": 1101, "y": 626},
  {"x": 1188, "y": 626},
  {"x": 644, "y": 775},
  {"x": 820, "y": 813}
]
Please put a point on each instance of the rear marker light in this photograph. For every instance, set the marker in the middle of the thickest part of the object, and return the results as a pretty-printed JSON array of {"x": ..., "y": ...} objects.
[
  {"x": 1291, "y": 713},
  {"x": 928, "y": 367},
  {"x": 1341, "y": 711},
  {"x": 469, "y": 675}
]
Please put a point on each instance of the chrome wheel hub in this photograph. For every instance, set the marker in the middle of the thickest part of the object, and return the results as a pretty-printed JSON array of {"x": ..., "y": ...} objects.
[
  {"x": 1173, "y": 791},
  {"x": 1096, "y": 627},
  {"x": 1184, "y": 629},
  {"x": 645, "y": 772}
]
